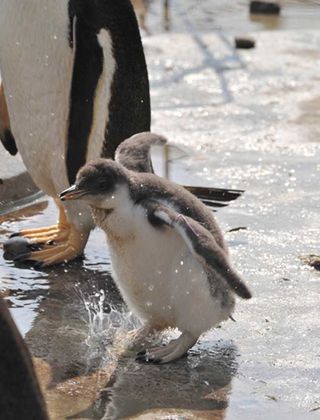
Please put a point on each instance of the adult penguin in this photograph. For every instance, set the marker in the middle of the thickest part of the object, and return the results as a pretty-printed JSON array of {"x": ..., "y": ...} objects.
[
  {"x": 20, "y": 395},
  {"x": 6, "y": 137},
  {"x": 76, "y": 85}
]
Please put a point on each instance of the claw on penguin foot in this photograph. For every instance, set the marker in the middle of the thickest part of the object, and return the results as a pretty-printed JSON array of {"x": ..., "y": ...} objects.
[{"x": 144, "y": 357}]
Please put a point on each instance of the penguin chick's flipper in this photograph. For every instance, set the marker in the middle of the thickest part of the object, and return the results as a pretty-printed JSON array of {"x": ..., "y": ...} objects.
[
  {"x": 135, "y": 152},
  {"x": 201, "y": 244},
  {"x": 50, "y": 245}
]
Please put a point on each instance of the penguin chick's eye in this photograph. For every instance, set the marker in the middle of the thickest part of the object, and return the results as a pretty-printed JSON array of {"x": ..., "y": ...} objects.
[
  {"x": 100, "y": 186},
  {"x": 104, "y": 184},
  {"x": 96, "y": 186}
]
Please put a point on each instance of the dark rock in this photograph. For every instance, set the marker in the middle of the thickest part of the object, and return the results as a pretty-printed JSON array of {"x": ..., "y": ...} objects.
[
  {"x": 312, "y": 260},
  {"x": 244, "y": 42},
  {"x": 265, "y": 7},
  {"x": 18, "y": 248}
]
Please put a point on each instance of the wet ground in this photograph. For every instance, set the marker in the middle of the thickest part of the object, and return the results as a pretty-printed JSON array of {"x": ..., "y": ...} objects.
[{"x": 247, "y": 120}]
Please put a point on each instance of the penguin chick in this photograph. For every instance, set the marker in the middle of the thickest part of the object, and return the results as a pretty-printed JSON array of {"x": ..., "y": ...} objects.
[{"x": 169, "y": 259}]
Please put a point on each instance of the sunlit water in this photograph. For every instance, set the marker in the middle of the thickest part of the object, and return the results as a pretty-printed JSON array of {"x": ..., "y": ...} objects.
[{"x": 251, "y": 121}]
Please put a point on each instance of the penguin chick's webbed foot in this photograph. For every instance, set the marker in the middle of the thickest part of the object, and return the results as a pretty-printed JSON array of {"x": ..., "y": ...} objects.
[
  {"x": 51, "y": 245},
  {"x": 140, "y": 336},
  {"x": 172, "y": 351}
]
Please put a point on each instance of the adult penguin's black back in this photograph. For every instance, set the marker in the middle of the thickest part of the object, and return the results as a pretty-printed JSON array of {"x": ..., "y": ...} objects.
[{"x": 129, "y": 106}]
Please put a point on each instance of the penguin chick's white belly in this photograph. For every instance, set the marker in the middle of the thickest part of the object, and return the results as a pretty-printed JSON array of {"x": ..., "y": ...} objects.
[{"x": 158, "y": 277}]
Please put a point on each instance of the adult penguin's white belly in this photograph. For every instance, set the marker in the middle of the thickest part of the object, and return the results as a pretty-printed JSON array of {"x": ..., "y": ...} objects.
[
  {"x": 76, "y": 85},
  {"x": 37, "y": 74}
]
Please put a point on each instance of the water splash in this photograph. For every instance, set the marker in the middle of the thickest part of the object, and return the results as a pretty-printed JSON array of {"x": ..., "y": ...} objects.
[{"x": 108, "y": 327}]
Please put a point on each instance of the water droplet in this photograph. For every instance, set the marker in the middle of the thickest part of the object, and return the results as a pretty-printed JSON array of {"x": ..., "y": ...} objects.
[
  {"x": 151, "y": 287},
  {"x": 181, "y": 262},
  {"x": 148, "y": 304}
]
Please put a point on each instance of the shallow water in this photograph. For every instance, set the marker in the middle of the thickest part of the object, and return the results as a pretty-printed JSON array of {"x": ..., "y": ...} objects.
[{"x": 249, "y": 120}]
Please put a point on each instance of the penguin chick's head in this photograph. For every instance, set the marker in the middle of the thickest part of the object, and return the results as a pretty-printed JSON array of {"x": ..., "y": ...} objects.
[{"x": 96, "y": 184}]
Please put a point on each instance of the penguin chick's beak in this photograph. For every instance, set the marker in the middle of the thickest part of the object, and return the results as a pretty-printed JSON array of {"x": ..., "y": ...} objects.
[{"x": 72, "y": 193}]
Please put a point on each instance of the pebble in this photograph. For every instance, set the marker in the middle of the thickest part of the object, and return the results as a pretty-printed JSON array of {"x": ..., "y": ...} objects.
[
  {"x": 244, "y": 42},
  {"x": 265, "y": 7}
]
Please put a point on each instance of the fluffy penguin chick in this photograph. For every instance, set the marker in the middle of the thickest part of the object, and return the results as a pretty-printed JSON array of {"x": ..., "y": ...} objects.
[{"x": 169, "y": 259}]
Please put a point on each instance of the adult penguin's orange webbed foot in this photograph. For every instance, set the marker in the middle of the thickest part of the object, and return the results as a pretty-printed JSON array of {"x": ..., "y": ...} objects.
[
  {"x": 51, "y": 245},
  {"x": 61, "y": 250},
  {"x": 55, "y": 233},
  {"x": 65, "y": 246}
]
